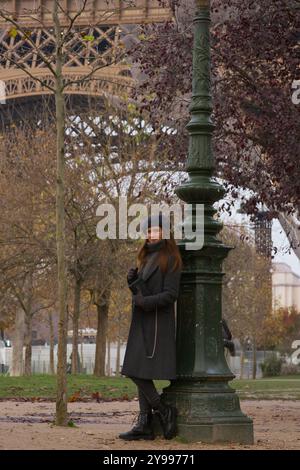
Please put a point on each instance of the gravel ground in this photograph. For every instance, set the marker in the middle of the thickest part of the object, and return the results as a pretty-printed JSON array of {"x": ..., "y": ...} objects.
[{"x": 26, "y": 425}]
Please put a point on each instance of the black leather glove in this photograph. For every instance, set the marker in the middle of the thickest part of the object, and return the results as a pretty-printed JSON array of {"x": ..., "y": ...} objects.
[
  {"x": 132, "y": 275},
  {"x": 139, "y": 299}
]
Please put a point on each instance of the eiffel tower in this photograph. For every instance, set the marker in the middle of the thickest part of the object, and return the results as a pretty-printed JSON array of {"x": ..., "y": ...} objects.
[{"x": 108, "y": 22}]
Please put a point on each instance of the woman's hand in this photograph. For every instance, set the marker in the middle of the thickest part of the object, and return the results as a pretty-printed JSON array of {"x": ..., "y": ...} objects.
[
  {"x": 139, "y": 299},
  {"x": 132, "y": 275}
]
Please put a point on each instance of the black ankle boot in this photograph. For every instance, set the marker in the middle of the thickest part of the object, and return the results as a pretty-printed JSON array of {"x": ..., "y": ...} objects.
[
  {"x": 142, "y": 430},
  {"x": 167, "y": 415}
]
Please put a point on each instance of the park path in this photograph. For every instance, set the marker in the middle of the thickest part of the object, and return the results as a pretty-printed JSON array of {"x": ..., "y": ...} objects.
[{"x": 26, "y": 425}]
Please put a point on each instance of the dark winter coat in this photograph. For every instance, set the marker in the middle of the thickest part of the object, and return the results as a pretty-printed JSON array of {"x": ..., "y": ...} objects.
[{"x": 151, "y": 345}]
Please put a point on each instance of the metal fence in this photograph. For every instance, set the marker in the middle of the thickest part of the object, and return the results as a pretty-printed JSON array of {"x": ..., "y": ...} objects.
[
  {"x": 235, "y": 363},
  {"x": 40, "y": 362}
]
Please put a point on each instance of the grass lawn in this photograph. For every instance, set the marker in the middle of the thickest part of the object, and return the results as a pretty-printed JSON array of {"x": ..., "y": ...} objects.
[
  {"x": 84, "y": 386},
  {"x": 79, "y": 386},
  {"x": 271, "y": 388}
]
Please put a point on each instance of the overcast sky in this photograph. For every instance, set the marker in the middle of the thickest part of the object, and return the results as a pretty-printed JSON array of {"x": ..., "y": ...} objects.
[{"x": 279, "y": 239}]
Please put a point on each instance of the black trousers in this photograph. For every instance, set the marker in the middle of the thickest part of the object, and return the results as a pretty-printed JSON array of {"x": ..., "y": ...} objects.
[{"x": 148, "y": 395}]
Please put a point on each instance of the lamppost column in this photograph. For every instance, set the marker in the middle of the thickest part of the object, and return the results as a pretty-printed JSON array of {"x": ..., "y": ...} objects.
[{"x": 208, "y": 407}]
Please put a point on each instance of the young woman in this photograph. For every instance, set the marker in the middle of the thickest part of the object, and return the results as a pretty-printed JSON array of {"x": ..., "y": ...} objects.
[{"x": 151, "y": 349}]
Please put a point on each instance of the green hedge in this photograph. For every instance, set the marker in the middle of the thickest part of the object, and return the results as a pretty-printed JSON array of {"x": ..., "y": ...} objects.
[{"x": 271, "y": 367}]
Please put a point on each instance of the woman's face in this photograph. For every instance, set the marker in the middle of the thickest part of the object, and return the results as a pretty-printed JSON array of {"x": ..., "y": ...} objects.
[{"x": 154, "y": 234}]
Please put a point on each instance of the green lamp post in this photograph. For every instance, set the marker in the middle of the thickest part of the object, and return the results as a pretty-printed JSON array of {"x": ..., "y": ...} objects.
[{"x": 208, "y": 408}]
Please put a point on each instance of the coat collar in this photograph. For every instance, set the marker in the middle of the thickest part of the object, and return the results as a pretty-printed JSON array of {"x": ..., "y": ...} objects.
[
  {"x": 154, "y": 246},
  {"x": 150, "y": 266}
]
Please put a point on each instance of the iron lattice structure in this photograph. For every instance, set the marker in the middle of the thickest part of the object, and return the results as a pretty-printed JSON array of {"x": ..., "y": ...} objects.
[
  {"x": 112, "y": 77},
  {"x": 263, "y": 245},
  {"x": 263, "y": 234},
  {"x": 108, "y": 22}
]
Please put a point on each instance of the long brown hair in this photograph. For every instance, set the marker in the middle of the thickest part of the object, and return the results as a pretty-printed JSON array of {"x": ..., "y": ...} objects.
[{"x": 168, "y": 249}]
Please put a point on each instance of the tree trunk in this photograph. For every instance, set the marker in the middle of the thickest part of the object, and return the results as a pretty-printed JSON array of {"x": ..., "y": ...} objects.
[
  {"x": 27, "y": 343},
  {"x": 17, "y": 345},
  {"x": 118, "y": 356},
  {"x": 76, "y": 312},
  {"x": 102, "y": 321},
  {"x": 290, "y": 226},
  {"x": 254, "y": 360},
  {"x": 61, "y": 399},
  {"x": 108, "y": 358},
  {"x": 51, "y": 343}
]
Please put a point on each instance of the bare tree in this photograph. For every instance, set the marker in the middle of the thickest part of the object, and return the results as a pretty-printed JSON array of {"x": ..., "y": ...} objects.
[
  {"x": 246, "y": 295},
  {"x": 51, "y": 343},
  {"x": 55, "y": 63}
]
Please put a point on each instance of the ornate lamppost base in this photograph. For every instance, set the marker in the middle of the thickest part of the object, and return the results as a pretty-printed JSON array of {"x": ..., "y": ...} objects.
[{"x": 208, "y": 412}]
